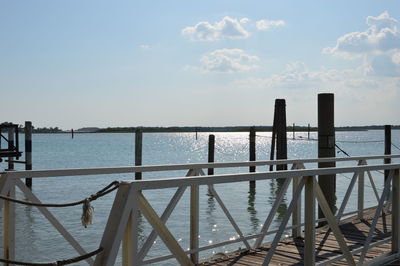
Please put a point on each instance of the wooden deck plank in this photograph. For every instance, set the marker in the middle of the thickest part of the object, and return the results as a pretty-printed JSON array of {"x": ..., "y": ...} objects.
[{"x": 290, "y": 251}]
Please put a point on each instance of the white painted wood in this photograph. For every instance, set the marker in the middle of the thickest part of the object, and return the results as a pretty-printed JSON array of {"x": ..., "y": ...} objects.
[
  {"x": 273, "y": 211},
  {"x": 4, "y": 187},
  {"x": 376, "y": 216},
  {"x": 278, "y": 235},
  {"x": 9, "y": 224},
  {"x": 371, "y": 181},
  {"x": 164, "y": 217},
  {"x": 194, "y": 222},
  {"x": 174, "y": 167},
  {"x": 396, "y": 212},
  {"x": 116, "y": 225},
  {"x": 333, "y": 224},
  {"x": 231, "y": 178},
  {"x": 162, "y": 230},
  {"x": 52, "y": 219},
  {"x": 309, "y": 220},
  {"x": 228, "y": 215},
  {"x": 296, "y": 216},
  {"x": 346, "y": 197},
  {"x": 360, "y": 194}
]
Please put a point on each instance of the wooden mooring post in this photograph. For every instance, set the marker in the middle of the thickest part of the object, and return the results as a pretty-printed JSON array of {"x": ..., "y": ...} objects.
[
  {"x": 388, "y": 149},
  {"x": 28, "y": 151},
  {"x": 138, "y": 152},
  {"x": 281, "y": 133},
  {"x": 252, "y": 152},
  {"x": 294, "y": 131},
  {"x": 326, "y": 148},
  {"x": 211, "y": 150},
  {"x": 308, "y": 131}
]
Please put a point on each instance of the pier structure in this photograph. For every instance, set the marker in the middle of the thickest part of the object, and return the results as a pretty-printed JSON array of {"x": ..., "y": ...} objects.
[{"x": 360, "y": 236}]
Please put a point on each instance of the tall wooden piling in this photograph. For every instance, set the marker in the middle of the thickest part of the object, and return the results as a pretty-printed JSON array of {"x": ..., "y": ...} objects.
[
  {"x": 72, "y": 133},
  {"x": 326, "y": 148},
  {"x": 252, "y": 152},
  {"x": 308, "y": 130},
  {"x": 28, "y": 151},
  {"x": 138, "y": 152},
  {"x": 11, "y": 147},
  {"x": 388, "y": 148},
  {"x": 281, "y": 134},
  {"x": 211, "y": 150}
]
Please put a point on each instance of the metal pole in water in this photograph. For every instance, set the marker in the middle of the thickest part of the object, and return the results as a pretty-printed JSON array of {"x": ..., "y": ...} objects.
[
  {"x": 308, "y": 131},
  {"x": 72, "y": 133},
  {"x": 326, "y": 148},
  {"x": 138, "y": 152},
  {"x": 28, "y": 151}
]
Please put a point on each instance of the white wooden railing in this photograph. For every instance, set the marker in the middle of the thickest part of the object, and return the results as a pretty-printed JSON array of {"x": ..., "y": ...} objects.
[{"x": 122, "y": 225}]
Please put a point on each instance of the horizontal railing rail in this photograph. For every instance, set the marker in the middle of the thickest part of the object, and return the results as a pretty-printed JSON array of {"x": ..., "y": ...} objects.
[
  {"x": 122, "y": 225},
  {"x": 176, "y": 167}
]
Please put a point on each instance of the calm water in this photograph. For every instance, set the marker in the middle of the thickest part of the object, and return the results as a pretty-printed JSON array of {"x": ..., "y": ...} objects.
[{"x": 37, "y": 241}]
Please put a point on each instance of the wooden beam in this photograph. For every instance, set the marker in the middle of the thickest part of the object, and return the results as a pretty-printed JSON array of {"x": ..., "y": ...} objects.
[
  {"x": 162, "y": 231},
  {"x": 333, "y": 224}
]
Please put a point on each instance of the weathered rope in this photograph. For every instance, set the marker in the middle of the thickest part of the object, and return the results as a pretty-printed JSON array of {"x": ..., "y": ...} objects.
[
  {"x": 87, "y": 209},
  {"x": 56, "y": 263}
]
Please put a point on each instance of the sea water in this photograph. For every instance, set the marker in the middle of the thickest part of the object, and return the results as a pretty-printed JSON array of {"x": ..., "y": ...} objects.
[{"x": 38, "y": 241}]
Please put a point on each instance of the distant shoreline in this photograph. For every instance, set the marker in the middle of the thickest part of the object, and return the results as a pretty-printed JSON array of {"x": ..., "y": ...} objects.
[{"x": 205, "y": 129}]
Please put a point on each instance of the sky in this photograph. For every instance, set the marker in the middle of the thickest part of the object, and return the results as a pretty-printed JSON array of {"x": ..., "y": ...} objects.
[{"x": 95, "y": 63}]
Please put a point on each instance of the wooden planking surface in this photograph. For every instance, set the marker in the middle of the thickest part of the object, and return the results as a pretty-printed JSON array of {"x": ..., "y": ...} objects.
[{"x": 290, "y": 251}]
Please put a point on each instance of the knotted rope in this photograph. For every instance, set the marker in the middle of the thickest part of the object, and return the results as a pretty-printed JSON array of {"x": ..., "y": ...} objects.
[{"x": 87, "y": 209}]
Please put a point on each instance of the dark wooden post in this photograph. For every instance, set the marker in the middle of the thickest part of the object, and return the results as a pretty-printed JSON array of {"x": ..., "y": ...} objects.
[
  {"x": 272, "y": 153},
  {"x": 308, "y": 136},
  {"x": 388, "y": 148},
  {"x": 281, "y": 134},
  {"x": 211, "y": 149},
  {"x": 326, "y": 148},
  {"x": 252, "y": 152},
  {"x": 294, "y": 136},
  {"x": 28, "y": 151},
  {"x": 138, "y": 152},
  {"x": 72, "y": 133},
  {"x": 11, "y": 148}
]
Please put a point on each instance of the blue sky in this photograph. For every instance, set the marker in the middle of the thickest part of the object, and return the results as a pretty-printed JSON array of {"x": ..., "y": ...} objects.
[{"x": 210, "y": 63}]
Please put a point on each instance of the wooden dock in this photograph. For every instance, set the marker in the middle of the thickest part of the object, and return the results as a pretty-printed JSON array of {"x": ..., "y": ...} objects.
[{"x": 290, "y": 250}]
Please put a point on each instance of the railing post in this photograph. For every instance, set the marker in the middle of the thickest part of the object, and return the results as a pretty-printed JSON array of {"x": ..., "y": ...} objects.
[
  {"x": 396, "y": 212},
  {"x": 296, "y": 216},
  {"x": 309, "y": 217},
  {"x": 194, "y": 222},
  {"x": 360, "y": 201},
  {"x": 9, "y": 225}
]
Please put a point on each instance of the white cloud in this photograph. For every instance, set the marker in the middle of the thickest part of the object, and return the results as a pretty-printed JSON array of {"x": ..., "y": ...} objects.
[
  {"x": 381, "y": 36},
  {"x": 228, "y": 61},
  {"x": 378, "y": 45},
  {"x": 265, "y": 24},
  {"x": 396, "y": 58},
  {"x": 227, "y": 28},
  {"x": 145, "y": 46}
]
